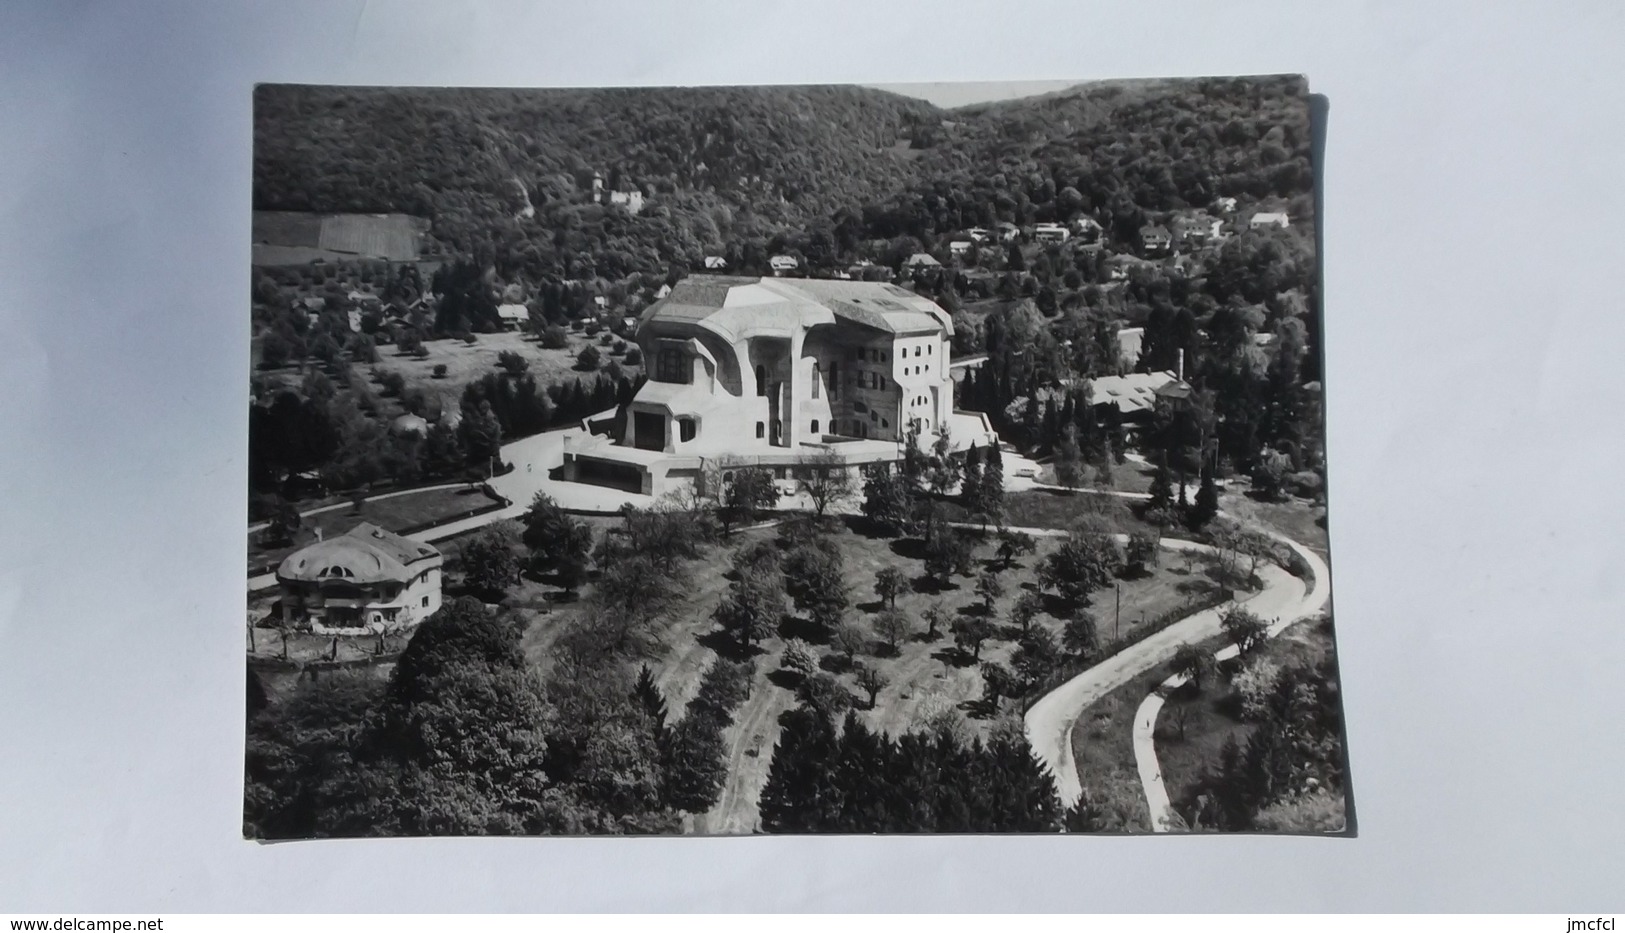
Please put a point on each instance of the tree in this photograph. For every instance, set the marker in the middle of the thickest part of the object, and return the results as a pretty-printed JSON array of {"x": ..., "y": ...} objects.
[
  {"x": 893, "y": 625},
  {"x": 946, "y": 554},
  {"x": 871, "y": 681},
  {"x": 1206, "y": 506},
  {"x": 1162, "y": 487},
  {"x": 799, "y": 658},
  {"x": 557, "y": 541},
  {"x": 1081, "y": 634},
  {"x": 1083, "y": 563},
  {"x": 1069, "y": 459},
  {"x": 1244, "y": 628},
  {"x": 1193, "y": 664},
  {"x": 587, "y": 360},
  {"x": 935, "y": 615},
  {"x": 1140, "y": 555},
  {"x": 285, "y": 523},
  {"x": 1037, "y": 656},
  {"x": 555, "y": 337},
  {"x": 752, "y": 490},
  {"x": 825, "y": 695},
  {"x": 752, "y": 609},
  {"x": 969, "y": 633},
  {"x": 889, "y": 584},
  {"x": 942, "y": 468},
  {"x": 1270, "y": 472},
  {"x": 440, "y": 370},
  {"x": 824, "y": 478},
  {"x": 988, "y": 589},
  {"x": 695, "y": 765},
  {"x": 490, "y": 559},
  {"x": 1013, "y": 544},
  {"x": 849, "y": 639},
  {"x": 480, "y": 434},
  {"x": 512, "y": 363},
  {"x": 998, "y": 682},
  {"x": 887, "y": 501},
  {"x": 649, "y": 699},
  {"x": 1027, "y": 608}
]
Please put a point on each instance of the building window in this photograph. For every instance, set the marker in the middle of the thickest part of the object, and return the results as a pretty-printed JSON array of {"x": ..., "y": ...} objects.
[
  {"x": 761, "y": 429},
  {"x": 873, "y": 417},
  {"x": 425, "y": 602},
  {"x": 686, "y": 428},
  {"x": 671, "y": 366},
  {"x": 761, "y": 379},
  {"x": 882, "y": 356},
  {"x": 834, "y": 380},
  {"x": 817, "y": 378},
  {"x": 815, "y": 426}
]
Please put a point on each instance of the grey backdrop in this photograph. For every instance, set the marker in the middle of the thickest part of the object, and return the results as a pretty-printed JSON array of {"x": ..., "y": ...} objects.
[{"x": 1473, "y": 327}]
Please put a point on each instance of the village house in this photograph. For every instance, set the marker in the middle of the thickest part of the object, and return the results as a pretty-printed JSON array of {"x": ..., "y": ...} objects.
[
  {"x": 631, "y": 200},
  {"x": 1051, "y": 233},
  {"x": 979, "y": 234},
  {"x": 1264, "y": 219},
  {"x": 1008, "y": 232},
  {"x": 1196, "y": 229},
  {"x": 1224, "y": 205},
  {"x": 715, "y": 263},
  {"x": 1134, "y": 395},
  {"x": 365, "y": 580},
  {"x": 921, "y": 261},
  {"x": 781, "y": 264},
  {"x": 1155, "y": 238},
  {"x": 959, "y": 247},
  {"x": 514, "y": 316},
  {"x": 765, "y": 372}
]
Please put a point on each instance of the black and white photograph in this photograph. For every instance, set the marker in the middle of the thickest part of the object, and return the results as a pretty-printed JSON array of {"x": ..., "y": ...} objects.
[{"x": 789, "y": 459}]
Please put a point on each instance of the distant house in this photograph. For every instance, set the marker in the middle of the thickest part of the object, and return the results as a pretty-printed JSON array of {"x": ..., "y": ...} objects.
[
  {"x": 315, "y": 305},
  {"x": 1134, "y": 395},
  {"x": 355, "y": 321},
  {"x": 366, "y": 300},
  {"x": 514, "y": 316},
  {"x": 1155, "y": 238},
  {"x": 1051, "y": 233},
  {"x": 631, "y": 200},
  {"x": 1087, "y": 228},
  {"x": 662, "y": 291},
  {"x": 1264, "y": 219},
  {"x": 1224, "y": 205},
  {"x": 781, "y": 264},
  {"x": 921, "y": 261},
  {"x": 1008, "y": 232},
  {"x": 859, "y": 269},
  {"x": 716, "y": 262},
  {"x": 1197, "y": 229},
  {"x": 979, "y": 234},
  {"x": 960, "y": 247}
]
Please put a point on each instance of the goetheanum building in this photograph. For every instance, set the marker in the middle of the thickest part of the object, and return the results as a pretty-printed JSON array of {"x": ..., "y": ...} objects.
[
  {"x": 765, "y": 371},
  {"x": 365, "y": 580}
]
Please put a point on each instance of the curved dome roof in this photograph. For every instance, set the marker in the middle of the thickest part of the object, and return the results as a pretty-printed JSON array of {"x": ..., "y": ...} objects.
[
  {"x": 410, "y": 424},
  {"x": 364, "y": 554}
]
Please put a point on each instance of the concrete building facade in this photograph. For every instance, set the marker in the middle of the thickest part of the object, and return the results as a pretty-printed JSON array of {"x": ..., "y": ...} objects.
[{"x": 766, "y": 372}]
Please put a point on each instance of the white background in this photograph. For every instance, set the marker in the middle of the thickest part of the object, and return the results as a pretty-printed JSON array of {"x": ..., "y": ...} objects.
[{"x": 1473, "y": 320}]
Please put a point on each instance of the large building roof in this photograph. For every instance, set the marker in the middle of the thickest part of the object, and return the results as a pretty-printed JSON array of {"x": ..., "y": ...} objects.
[
  {"x": 364, "y": 554},
  {"x": 736, "y": 306}
]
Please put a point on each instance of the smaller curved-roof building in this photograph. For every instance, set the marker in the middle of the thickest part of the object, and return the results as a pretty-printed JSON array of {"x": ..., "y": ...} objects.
[{"x": 365, "y": 580}]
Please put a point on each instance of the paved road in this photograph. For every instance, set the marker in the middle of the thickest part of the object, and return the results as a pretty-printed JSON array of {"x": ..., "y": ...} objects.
[{"x": 1294, "y": 610}]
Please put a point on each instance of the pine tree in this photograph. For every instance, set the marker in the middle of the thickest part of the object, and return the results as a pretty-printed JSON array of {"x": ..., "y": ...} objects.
[
  {"x": 649, "y": 699},
  {"x": 1207, "y": 501}
]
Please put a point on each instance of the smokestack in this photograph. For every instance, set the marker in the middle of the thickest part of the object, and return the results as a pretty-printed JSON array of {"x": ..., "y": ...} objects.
[{"x": 1181, "y": 373}]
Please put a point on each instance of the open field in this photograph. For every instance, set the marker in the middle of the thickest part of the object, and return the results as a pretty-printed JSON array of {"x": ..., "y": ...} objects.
[
  {"x": 394, "y": 514},
  {"x": 376, "y": 236},
  {"x": 467, "y": 362},
  {"x": 1298, "y": 519},
  {"x": 1044, "y": 508}
]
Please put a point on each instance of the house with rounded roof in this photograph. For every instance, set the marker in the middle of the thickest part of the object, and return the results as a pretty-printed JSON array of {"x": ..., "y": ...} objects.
[{"x": 365, "y": 580}]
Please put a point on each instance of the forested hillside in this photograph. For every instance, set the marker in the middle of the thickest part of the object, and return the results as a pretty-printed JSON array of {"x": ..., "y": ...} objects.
[{"x": 815, "y": 170}]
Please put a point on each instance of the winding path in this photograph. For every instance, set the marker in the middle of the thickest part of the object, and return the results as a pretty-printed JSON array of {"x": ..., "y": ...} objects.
[
  {"x": 1049, "y": 723},
  {"x": 1145, "y": 718}
]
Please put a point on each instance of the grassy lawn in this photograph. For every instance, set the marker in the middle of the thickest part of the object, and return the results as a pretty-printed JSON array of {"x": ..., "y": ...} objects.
[
  {"x": 1298, "y": 519},
  {"x": 466, "y": 362},
  {"x": 394, "y": 514},
  {"x": 1043, "y": 508}
]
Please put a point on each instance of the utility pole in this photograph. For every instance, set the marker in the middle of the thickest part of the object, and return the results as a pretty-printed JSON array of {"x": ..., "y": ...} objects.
[{"x": 1117, "y": 616}]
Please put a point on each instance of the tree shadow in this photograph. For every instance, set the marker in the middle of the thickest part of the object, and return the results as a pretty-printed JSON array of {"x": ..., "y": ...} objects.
[
  {"x": 789, "y": 680},
  {"x": 872, "y": 606},
  {"x": 727, "y": 646},
  {"x": 805, "y": 629},
  {"x": 931, "y": 586},
  {"x": 909, "y": 548},
  {"x": 954, "y": 656},
  {"x": 836, "y": 663}
]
